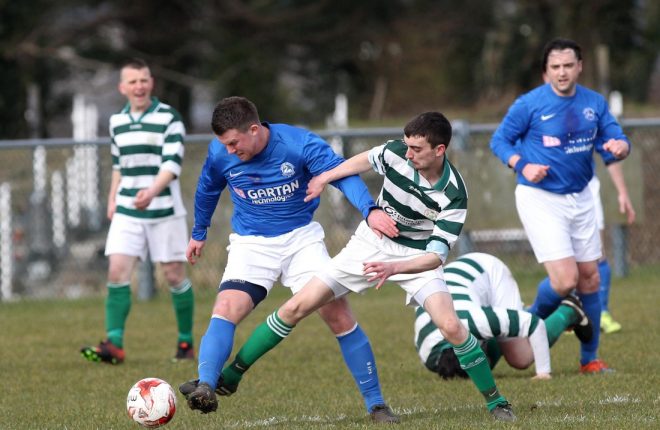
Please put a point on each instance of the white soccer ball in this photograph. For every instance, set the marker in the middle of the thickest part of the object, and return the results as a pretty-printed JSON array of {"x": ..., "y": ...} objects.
[{"x": 151, "y": 402}]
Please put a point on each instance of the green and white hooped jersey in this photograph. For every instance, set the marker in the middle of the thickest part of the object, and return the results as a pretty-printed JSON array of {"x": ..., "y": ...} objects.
[
  {"x": 140, "y": 148},
  {"x": 484, "y": 322},
  {"x": 428, "y": 216}
]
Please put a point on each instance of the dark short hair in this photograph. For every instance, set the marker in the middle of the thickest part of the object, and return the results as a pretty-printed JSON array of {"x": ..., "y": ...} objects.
[
  {"x": 431, "y": 125},
  {"x": 448, "y": 366},
  {"x": 234, "y": 113},
  {"x": 559, "y": 45},
  {"x": 134, "y": 63}
]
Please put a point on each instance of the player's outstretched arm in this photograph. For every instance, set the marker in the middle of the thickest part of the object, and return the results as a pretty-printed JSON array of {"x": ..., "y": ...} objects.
[
  {"x": 381, "y": 270},
  {"x": 353, "y": 166}
]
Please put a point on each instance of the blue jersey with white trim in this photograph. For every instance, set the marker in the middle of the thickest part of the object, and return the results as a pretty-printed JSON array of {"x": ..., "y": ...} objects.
[
  {"x": 268, "y": 190},
  {"x": 561, "y": 132}
]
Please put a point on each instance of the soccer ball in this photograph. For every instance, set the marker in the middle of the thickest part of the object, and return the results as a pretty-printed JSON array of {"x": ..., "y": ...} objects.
[{"x": 151, "y": 402}]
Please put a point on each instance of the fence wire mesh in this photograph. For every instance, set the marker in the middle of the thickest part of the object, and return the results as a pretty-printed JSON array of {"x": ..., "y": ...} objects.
[{"x": 53, "y": 225}]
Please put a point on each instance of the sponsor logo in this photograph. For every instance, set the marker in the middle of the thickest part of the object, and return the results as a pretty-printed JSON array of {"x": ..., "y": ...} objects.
[
  {"x": 287, "y": 169},
  {"x": 364, "y": 382},
  {"x": 581, "y": 148},
  {"x": 589, "y": 114},
  {"x": 279, "y": 193},
  {"x": 235, "y": 174},
  {"x": 396, "y": 216},
  {"x": 549, "y": 141},
  {"x": 547, "y": 117}
]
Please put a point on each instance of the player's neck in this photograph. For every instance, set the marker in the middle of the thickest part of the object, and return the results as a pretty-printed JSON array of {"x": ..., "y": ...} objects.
[
  {"x": 433, "y": 173},
  {"x": 264, "y": 136}
]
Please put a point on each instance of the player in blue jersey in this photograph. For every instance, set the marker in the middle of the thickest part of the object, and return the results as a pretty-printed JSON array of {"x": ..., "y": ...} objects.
[
  {"x": 266, "y": 168},
  {"x": 560, "y": 124}
]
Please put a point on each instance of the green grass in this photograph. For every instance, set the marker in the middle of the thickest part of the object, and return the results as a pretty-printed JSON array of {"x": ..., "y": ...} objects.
[{"x": 303, "y": 383}]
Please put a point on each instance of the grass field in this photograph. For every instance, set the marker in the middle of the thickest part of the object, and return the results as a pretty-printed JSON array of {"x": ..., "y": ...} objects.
[{"x": 303, "y": 383}]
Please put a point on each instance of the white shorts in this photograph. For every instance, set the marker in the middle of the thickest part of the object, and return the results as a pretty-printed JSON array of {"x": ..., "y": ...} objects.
[
  {"x": 594, "y": 186},
  {"x": 166, "y": 240},
  {"x": 293, "y": 257},
  {"x": 559, "y": 225},
  {"x": 344, "y": 273},
  {"x": 495, "y": 286}
]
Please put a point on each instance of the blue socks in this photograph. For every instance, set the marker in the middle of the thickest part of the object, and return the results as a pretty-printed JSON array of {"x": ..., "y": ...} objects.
[
  {"x": 605, "y": 281},
  {"x": 547, "y": 300},
  {"x": 591, "y": 305},
  {"x": 214, "y": 350},
  {"x": 360, "y": 361}
]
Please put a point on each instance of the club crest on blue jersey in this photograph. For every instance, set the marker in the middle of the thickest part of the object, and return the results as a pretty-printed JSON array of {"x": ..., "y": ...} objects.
[
  {"x": 589, "y": 114},
  {"x": 287, "y": 169}
]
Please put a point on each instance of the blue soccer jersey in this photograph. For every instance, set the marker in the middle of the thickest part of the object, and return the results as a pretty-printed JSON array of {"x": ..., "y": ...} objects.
[
  {"x": 268, "y": 190},
  {"x": 561, "y": 132}
]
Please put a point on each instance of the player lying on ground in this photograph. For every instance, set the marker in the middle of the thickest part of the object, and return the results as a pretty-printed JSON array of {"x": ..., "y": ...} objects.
[{"x": 488, "y": 303}]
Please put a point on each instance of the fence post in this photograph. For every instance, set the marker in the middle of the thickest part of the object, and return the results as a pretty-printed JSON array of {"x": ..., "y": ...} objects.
[
  {"x": 619, "y": 234},
  {"x": 58, "y": 211},
  {"x": 6, "y": 248},
  {"x": 145, "y": 277},
  {"x": 460, "y": 134}
]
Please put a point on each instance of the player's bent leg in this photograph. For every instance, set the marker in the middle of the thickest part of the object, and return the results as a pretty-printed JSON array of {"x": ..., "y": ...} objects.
[
  {"x": 230, "y": 307},
  {"x": 358, "y": 356},
  {"x": 470, "y": 355},
  {"x": 313, "y": 295}
]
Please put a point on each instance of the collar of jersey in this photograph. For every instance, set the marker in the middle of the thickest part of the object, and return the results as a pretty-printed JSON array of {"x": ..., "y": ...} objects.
[
  {"x": 442, "y": 182},
  {"x": 151, "y": 108}
]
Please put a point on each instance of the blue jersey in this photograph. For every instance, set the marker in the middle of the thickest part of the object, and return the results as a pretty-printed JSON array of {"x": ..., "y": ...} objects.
[
  {"x": 268, "y": 190},
  {"x": 561, "y": 132}
]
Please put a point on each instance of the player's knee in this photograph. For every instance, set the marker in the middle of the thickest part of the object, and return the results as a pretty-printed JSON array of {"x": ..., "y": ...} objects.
[
  {"x": 237, "y": 298},
  {"x": 292, "y": 311},
  {"x": 338, "y": 316},
  {"x": 174, "y": 273},
  {"x": 589, "y": 282},
  {"x": 453, "y": 330}
]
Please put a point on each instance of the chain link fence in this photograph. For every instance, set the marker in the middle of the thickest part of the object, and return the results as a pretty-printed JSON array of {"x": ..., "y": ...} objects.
[{"x": 53, "y": 196}]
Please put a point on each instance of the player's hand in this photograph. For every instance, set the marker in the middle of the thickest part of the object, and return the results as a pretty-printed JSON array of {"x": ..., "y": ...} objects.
[
  {"x": 112, "y": 207},
  {"x": 378, "y": 271},
  {"x": 315, "y": 187},
  {"x": 194, "y": 250},
  {"x": 535, "y": 173},
  {"x": 381, "y": 224},
  {"x": 143, "y": 199},
  {"x": 626, "y": 208},
  {"x": 542, "y": 377},
  {"x": 619, "y": 148}
]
